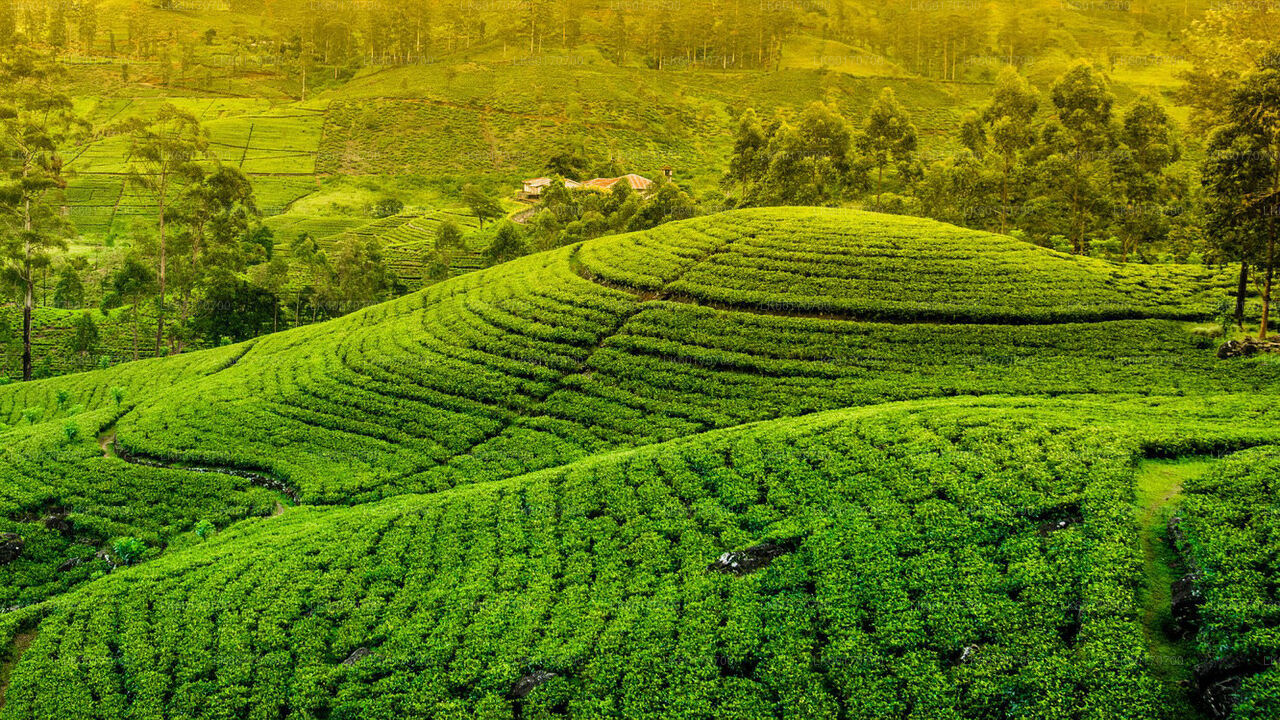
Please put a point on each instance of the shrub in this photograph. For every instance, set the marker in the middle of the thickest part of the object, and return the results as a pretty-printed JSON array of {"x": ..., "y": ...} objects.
[
  {"x": 386, "y": 207},
  {"x": 128, "y": 550}
]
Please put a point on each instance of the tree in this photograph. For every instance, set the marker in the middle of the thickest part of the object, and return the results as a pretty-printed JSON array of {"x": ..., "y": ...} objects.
[
  {"x": 1008, "y": 125},
  {"x": 213, "y": 218},
  {"x": 1147, "y": 147},
  {"x": 750, "y": 159},
  {"x": 163, "y": 154},
  {"x": 889, "y": 137},
  {"x": 85, "y": 340},
  {"x": 437, "y": 264},
  {"x": 507, "y": 245},
  {"x": 1242, "y": 176},
  {"x": 69, "y": 293},
  {"x": 131, "y": 283},
  {"x": 666, "y": 204},
  {"x": 435, "y": 267},
  {"x": 800, "y": 162},
  {"x": 233, "y": 308},
  {"x": 385, "y": 207},
  {"x": 306, "y": 252},
  {"x": 1226, "y": 42},
  {"x": 87, "y": 25},
  {"x": 272, "y": 277},
  {"x": 570, "y": 164},
  {"x": 58, "y": 25},
  {"x": 448, "y": 236},
  {"x": 1077, "y": 146},
  {"x": 482, "y": 205},
  {"x": 35, "y": 121},
  {"x": 360, "y": 272}
]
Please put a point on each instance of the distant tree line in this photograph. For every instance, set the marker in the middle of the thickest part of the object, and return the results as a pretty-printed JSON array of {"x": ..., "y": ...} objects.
[
  {"x": 1074, "y": 173},
  {"x": 1079, "y": 176},
  {"x": 314, "y": 42}
]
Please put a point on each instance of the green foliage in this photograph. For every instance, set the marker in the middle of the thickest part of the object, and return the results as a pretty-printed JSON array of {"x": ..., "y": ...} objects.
[
  {"x": 448, "y": 236},
  {"x": 1242, "y": 176},
  {"x": 36, "y": 124},
  {"x": 386, "y": 207},
  {"x": 507, "y": 245},
  {"x": 805, "y": 162},
  {"x": 1227, "y": 535},
  {"x": 86, "y": 338},
  {"x": 973, "y": 547},
  {"x": 203, "y": 529},
  {"x": 435, "y": 267},
  {"x": 889, "y": 138},
  {"x": 69, "y": 293},
  {"x": 979, "y": 554},
  {"x": 482, "y": 204},
  {"x": 234, "y": 308},
  {"x": 128, "y": 550}
]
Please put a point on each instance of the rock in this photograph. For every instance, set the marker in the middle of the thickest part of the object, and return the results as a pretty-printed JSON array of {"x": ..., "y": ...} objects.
[
  {"x": 1177, "y": 536},
  {"x": 356, "y": 655},
  {"x": 1185, "y": 602},
  {"x": 526, "y": 684},
  {"x": 10, "y": 547},
  {"x": 1247, "y": 348},
  {"x": 70, "y": 563},
  {"x": 741, "y": 562},
  {"x": 58, "y": 522},
  {"x": 1053, "y": 518},
  {"x": 1217, "y": 683}
]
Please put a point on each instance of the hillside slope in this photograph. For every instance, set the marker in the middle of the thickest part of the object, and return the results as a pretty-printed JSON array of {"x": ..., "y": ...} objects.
[
  {"x": 698, "y": 325},
  {"x": 969, "y": 557},
  {"x": 569, "y": 439}
]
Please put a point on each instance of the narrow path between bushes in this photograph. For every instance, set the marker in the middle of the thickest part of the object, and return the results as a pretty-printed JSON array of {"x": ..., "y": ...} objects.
[
  {"x": 21, "y": 642},
  {"x": 289, "y": 495},
  {"x": 1158, "y": 485}
]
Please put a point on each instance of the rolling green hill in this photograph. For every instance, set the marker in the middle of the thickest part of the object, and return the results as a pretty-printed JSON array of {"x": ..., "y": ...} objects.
[{"x": 516, "y": 489}]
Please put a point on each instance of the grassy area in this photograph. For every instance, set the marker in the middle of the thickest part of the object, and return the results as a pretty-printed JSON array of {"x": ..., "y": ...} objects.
[{"x": 1158, "y": 485}]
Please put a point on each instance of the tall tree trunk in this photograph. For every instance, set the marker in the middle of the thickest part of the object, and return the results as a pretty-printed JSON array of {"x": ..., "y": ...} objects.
[
  {"x": 1266, "y": 285},
  {"x": 26, "y": 333},
  {"x": 136, "y": 340},
  {"x": 160, "y": 305},
  {"x": 1004, "y": 197},
  {"x": 1241, "y": 287},
  {"x": 28, "y": 300}
]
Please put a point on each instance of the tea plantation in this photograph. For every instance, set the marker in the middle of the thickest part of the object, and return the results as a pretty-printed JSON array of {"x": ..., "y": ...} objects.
[{"x": 767, "y": 463}]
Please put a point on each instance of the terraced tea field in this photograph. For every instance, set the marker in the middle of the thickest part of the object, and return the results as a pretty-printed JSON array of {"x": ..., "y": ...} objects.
[
  {"x": 275, "y": 145},
  {"x": 757, "y": 464}
]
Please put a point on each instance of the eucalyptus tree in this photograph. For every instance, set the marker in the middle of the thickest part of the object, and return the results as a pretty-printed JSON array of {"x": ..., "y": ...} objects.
[
  {"x": 1009, "y": 121},
  {"x": 1242, "y": 178},
  {"x": 36, "y": 122},
  {"x": 164, "y": 155},
  {"x": 889, "y": 137}
]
